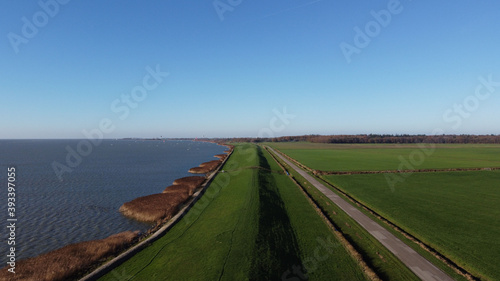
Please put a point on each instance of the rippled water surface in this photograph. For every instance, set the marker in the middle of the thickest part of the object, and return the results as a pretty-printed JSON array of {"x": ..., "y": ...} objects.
[{"x": 84, "y": 205}]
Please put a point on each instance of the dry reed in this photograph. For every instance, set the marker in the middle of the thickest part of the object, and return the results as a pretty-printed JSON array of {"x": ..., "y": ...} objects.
[
  {"x": 179, "y": 188},
  {"x": 71, "y": 261},
  {"x": 194, "y": 181},
  {"x": 154, "y": 207},
  {"x": 205, "y": 167}
]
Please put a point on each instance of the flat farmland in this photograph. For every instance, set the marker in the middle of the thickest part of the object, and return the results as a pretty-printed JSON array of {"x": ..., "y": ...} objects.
[
  {"x": 456, "y": 213},
  {"x": 381, "y": 157}
]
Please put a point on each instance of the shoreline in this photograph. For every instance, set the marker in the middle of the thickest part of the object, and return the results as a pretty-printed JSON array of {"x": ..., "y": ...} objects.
[
  {"x": 110, "y": 265},
  {"x": 36, "y": 267}
]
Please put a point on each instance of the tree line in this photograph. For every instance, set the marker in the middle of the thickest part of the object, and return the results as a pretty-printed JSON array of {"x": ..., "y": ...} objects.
[{"x": 374, "y": 138}]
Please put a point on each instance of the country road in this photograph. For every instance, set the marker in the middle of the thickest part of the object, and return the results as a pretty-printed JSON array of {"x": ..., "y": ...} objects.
[{"x": 424, "y": 269}]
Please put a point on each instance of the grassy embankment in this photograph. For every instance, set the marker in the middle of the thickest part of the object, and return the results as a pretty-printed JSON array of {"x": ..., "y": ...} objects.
[
  {"x": 252, "y": 223},
  {"x": 455, "y": 213}
]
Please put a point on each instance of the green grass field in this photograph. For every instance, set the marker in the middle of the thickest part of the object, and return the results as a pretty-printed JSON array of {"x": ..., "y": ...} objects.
[
  {"x": 379, "y": 157},
  {"x": 457, "y": 213},
  {"x": 252, "y": 223},
  {"x": 379, "y": 258},
  {"x": 454, "y": 212}
]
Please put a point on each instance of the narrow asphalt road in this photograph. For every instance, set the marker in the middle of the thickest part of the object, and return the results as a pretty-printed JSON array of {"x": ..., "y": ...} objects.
[{"x": 415, "y": 262}]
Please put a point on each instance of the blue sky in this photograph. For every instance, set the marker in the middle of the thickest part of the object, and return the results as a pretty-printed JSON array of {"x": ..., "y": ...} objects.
[{"x": 250, "y": 68}]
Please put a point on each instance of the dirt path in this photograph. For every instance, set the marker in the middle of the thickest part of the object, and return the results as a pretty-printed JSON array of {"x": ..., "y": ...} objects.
[{"x": 415, "y": 262}]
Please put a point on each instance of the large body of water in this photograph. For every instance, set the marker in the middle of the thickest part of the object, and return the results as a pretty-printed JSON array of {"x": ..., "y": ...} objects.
[{"x": 84, "y": 206}]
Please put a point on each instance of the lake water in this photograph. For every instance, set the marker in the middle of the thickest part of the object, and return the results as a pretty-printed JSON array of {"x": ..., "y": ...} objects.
[{"x": 84, "y": 206}]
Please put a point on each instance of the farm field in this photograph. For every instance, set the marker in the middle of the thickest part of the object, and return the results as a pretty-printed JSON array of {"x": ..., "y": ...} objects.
[
  {"x": 379, "y": 258},
  {"x": 456, "y": 213},
  {"x": 380, "y": 157},
  {"x": 252, "y": 223}
]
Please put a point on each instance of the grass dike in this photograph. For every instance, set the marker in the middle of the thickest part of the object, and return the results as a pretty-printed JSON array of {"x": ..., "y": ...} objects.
[
  {"x": 236, "y": 233},
  {"x": 275, "y": 245}
]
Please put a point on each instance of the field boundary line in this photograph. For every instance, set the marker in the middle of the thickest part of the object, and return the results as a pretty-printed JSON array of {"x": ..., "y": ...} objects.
[
  {"x": 455, "y": 267},
  {"x": 458, "y": 269},
  {"x": 420, "y": 266},
  {"x": 367, "y": 270},
  {"x": 295, "y": 161},
  {"x": 324, "y": 173},
  {"x": 118, "y": 260}
]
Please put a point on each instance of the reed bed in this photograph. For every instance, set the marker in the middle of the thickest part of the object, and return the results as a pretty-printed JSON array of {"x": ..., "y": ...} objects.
[
  {"x": 194, "y": 181},
  {"x": 155, "y": 207},
  {"x": 69, "y": 262},
  {"x": 205, "y": 167},
  {"x": 212, "y": 163},
  {"x": 179, "y": 188}
]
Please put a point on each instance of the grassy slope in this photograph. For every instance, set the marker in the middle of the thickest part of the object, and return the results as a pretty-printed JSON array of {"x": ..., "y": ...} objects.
[
  {"x": 320, "y": 252},
  {"x": 460, "y": 220},
  {"x": 385, "y": 264},
  {"x": 368, "y": 157},
  {"x": 243, "y": 232},
  {"x": 198, "y": 247}
]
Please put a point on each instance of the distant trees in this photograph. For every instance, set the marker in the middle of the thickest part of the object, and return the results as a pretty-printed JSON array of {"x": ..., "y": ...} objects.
[{"x": 376, "y": 138}]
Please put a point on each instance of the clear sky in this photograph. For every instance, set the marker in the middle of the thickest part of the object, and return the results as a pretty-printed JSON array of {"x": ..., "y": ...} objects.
[{"x": 248, "y": 68}]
